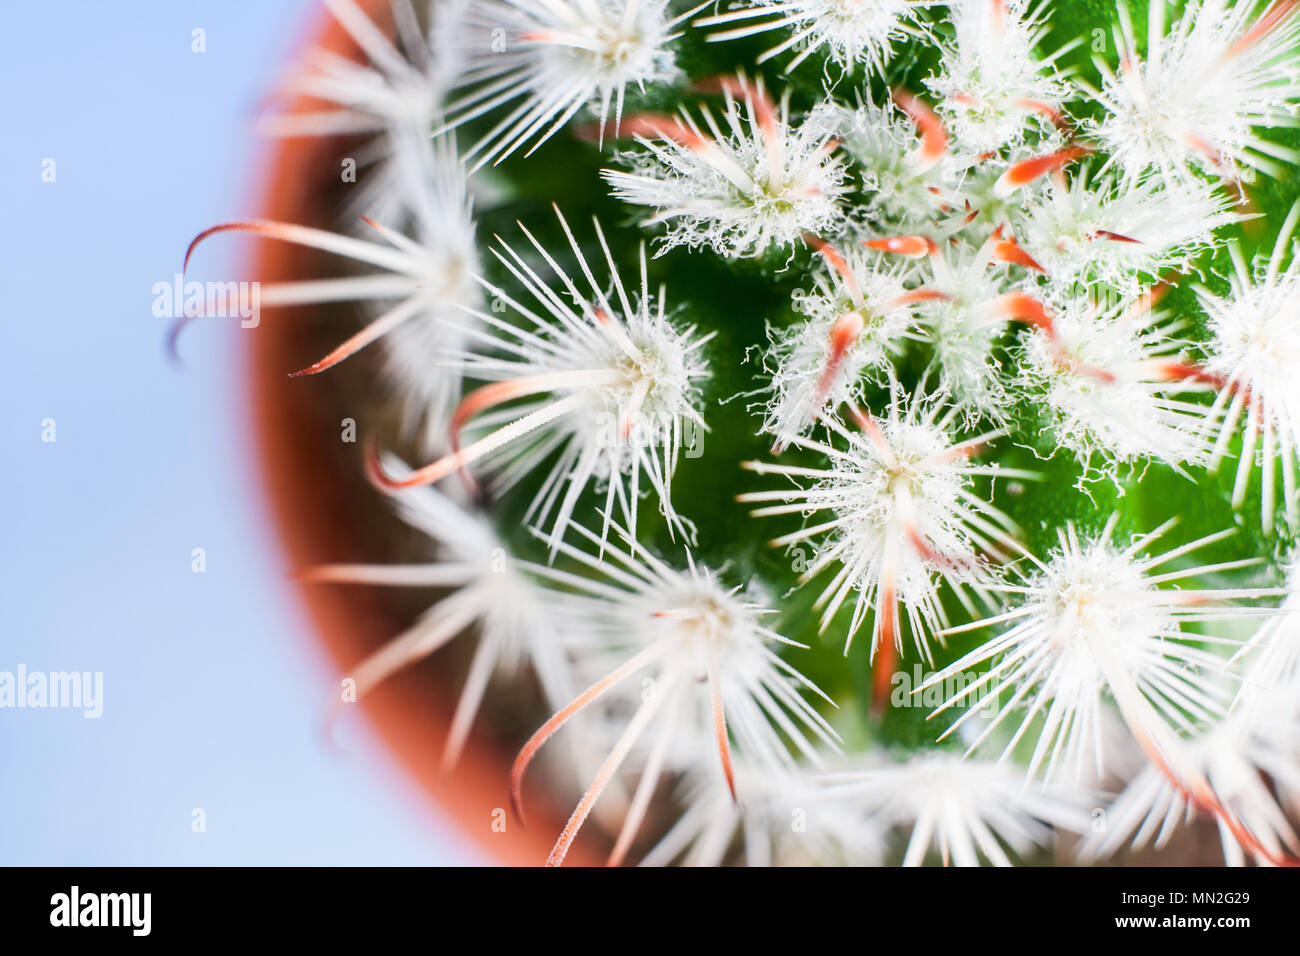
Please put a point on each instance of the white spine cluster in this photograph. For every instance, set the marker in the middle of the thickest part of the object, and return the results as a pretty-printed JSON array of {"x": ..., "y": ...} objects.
[
  {"x": 1100, "y": 233},
  {"x": 1193, "y": 102},
  {"x": 713, "y": 672},
  {"x": 963, "y": 321},
  {"x": 740, "y": 187},
  {"x": 905, "y": 183},
  {"x": 1095, "y": 620},
  {"x": 1110, "y": 384},
  {"x": 781, "y": 819},
  {"x": 1254, "y": 354},
  {"x": 1250, "y": 761},
  {"x": 485, "y": 587},
  {"x": 856, "y": 316},
  {"x": 991, "y": 82},
  {"x": 849, "y": 31},
  {"x": 964, "y": 811},
  {"x": 897, "y": 512},
  {"x": 416, "y": 293},
  {"x": 548, "y": 59},
  {"x": 398, "y": 94},
  {"x": 601, "y": 387}
]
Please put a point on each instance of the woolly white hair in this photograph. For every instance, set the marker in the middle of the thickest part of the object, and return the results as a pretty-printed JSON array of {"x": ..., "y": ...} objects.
[
  {"x": 907, "y": 179},
  {"x": 963, "y": 321},
  {"x": 1109, "y": 378},
  {"x": 935, "y": 228},
  {"x": 740, "y": 188},
  {"x": 992, "y": 86},
  {"x": 854, "y": 318}
]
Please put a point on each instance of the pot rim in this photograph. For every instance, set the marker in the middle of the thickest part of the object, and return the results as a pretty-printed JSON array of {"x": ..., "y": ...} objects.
[{"x": 475, "y": 794}]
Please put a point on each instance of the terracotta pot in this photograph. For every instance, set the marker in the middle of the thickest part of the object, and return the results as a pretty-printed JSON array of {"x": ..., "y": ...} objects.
[{"x": 325, "y": 511}]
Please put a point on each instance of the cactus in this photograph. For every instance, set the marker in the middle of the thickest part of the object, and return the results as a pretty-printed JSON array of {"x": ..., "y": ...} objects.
[{"x": 874, "y": 423}]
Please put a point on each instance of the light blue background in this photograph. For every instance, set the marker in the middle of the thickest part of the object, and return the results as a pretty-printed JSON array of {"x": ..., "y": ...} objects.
[{"x": 213, "y": 688}]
